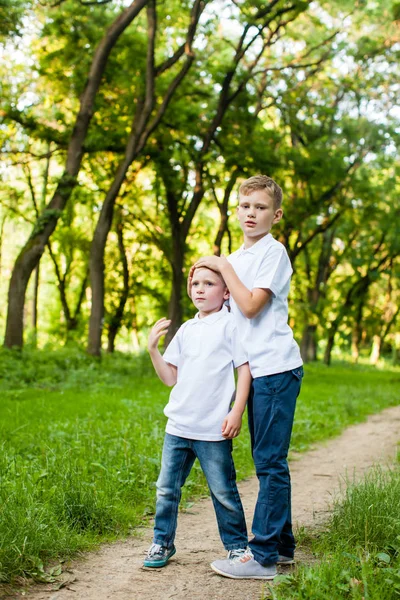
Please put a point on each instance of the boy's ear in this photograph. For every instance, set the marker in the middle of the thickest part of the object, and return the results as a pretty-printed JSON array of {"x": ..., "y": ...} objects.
[
  {"x": 226, "y": 294},
  {"x": 278, "y": 215}
]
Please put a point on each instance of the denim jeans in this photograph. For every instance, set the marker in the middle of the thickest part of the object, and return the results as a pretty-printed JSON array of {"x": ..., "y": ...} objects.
[
  {"x": 216, "y": 462},
  {"x": 271, "y": 407}
]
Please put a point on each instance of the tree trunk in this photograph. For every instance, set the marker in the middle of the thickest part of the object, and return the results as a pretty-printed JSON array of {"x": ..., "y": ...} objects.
[
  {"x": 356, "y": 294},
  {"x": 175, "y": 312},
  {"x": 376, "y": 350},
  {"x": 116, "y": 321},
  {"x": 112, "y": 334},
  {"x": 97, "y": 287},
  {"x": 395, "y": 355},
  {"x": 357, "y": 332},
  {"x": 24, "y": 265},
  {"x": 134, "y": 329},
  {"x": 31, "y": 253},
  {"x": 223, "y": 225},
  {"x": 71, "y": 319},
  {"x": 355, "y": 344},
  {"x": 329, "y": 346},
  {"x": 2, "y": 225},
  {"x": 223, "y": 211},
  {"x": 390, "y": 313},
  {"x": 396, "y": 349},
  {"x": 35, "y": 307},
  {"x": 179, "y": 232},
  {"x": 308, "y": 345}
]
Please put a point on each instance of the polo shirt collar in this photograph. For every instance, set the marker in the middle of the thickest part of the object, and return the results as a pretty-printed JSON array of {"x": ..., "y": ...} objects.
[
  {"x": 211, "y": 319},
  {"x": 258, "y": 246}
]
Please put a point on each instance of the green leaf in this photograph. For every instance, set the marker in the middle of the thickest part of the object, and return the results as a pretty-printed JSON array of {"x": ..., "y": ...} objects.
[
  {"x": 41, "y": 475},
  {"x": 383, "y": 557},
  {"x": 99, "y": 466},
  {"x": 55, "y": 571}
]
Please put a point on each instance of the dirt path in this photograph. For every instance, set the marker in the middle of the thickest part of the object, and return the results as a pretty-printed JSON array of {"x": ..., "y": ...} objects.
[{"x": 116, "y": 571}]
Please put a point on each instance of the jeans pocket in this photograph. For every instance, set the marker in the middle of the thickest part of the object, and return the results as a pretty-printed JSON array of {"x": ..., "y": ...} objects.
[
  {"x": 274, "y": 382},
  {"x": 298, "y": 373}
]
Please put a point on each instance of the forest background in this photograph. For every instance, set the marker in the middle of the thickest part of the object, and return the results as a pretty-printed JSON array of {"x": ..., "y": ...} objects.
[{"x": 126, "y": 129}]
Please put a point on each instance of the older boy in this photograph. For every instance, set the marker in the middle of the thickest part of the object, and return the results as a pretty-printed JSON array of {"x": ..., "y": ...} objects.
[
  {"x": 199, "y": 362},
  {"x": 258, "y": 278}
]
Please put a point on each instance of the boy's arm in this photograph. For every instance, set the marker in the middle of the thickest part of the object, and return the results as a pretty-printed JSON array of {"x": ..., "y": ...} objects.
[
  {"x": 251, "y": 302},
  {"x": 166, "y": 372},
  {"x": 233, "y": 421}
]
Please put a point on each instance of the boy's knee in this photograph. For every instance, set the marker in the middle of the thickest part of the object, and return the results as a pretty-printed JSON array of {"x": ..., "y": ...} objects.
[
  {"x": 226, "y": 498},
  {"x": 271, "y": 467},
  {"x": 166, "y": 491}
]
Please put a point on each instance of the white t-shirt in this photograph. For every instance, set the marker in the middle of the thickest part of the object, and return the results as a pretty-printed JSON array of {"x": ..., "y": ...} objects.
[
  {"x": 205, "y": 352},
  {"x": 267, "y": 339}
]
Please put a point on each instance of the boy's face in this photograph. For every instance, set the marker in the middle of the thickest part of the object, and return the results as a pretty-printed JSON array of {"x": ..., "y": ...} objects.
[
  {"x": 208, "y": 292},
  {"x": 257, "y": 214}
]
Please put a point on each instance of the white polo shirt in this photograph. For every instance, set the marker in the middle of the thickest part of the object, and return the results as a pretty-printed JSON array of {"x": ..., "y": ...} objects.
[
  {"x": 205, "y": 351},
  {"x": 268, "y": 339}
]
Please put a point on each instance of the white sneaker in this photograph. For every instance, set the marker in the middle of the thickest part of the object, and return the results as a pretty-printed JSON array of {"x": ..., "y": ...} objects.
[{"x": 244, "y": 567}]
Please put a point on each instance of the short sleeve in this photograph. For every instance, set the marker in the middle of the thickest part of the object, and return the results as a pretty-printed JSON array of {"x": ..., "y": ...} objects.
[
  {"x": 174, "y": 349},
  {"x": 275, "y": 270},
  {"x": 239, "y": 354}
]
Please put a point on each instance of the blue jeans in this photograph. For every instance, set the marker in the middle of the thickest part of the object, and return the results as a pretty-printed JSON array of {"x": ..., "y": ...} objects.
[
  {"x": 271, "y": 407},
  {"x": 216, "y": 462}
]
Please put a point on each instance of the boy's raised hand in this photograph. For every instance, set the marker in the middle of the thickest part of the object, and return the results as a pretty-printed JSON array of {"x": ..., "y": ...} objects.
[{"x": 159, "y": 329}]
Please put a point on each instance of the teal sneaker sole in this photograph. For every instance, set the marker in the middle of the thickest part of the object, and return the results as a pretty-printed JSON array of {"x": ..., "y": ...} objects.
[{"x": 159, "y": 563}]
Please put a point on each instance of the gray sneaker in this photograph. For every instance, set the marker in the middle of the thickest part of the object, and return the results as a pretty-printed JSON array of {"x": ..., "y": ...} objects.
[
  {"x": 158, "y": 556},
  {"x": 285, "y": 560},
  {"x": 243, "y": 567}
]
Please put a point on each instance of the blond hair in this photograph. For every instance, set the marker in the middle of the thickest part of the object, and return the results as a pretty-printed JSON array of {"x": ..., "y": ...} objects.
[{"x": 262, "y": 182}]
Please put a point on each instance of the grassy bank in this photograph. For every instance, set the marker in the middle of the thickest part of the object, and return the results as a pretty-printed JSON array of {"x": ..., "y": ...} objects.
[
  {"x": 359, "y": 554},
  {"x": 81, "y": 444}
]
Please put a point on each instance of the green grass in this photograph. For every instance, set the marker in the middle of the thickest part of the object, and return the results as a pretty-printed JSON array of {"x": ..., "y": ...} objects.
[
  {"x": 335, "y": 397},
  {"x": 359, "y": 554},
  {"x": 82, "y": 439}
]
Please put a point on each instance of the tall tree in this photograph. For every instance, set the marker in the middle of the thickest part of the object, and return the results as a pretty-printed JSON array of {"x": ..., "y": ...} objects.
[
  {"x": 31, "y": 253},
  {"x": 149, "y": 112}
]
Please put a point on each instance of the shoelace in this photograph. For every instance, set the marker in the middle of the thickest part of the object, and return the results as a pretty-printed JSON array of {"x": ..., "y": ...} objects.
[
  {"x": 154, "y": 549},
  {"x": 236, "y": 555}
]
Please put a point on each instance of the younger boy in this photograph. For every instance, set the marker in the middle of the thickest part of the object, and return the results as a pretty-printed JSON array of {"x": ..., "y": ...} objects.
[
  {"x": 258, "y": 278},
  {"x": 199, "y": 362}
]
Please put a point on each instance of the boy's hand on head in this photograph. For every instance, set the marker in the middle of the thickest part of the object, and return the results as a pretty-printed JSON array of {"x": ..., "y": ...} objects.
[
  {"x": 232, "y": 425},
  {"x": 158, "y": 330},
  {"x": 211, "y": 262}
]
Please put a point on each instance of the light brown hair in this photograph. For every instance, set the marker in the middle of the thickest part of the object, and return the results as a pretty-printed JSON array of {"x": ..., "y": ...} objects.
[{"x": 262, "y": 182}]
